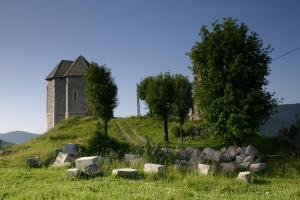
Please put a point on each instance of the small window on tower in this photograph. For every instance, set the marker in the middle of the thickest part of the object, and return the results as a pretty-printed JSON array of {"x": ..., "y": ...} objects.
[{"x": 75, "y": 95}]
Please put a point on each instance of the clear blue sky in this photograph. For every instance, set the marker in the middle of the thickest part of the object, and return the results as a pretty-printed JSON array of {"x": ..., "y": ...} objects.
[{"x": 135, "y": 38}]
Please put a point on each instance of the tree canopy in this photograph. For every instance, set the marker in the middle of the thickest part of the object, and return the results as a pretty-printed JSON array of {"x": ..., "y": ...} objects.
[
  {"x": 231, "y": 65},
  {"x": 101, "y": 92}
]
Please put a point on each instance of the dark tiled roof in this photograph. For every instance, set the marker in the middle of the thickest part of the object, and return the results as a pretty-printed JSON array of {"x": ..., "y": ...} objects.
[{"x": 69, "y": 68}]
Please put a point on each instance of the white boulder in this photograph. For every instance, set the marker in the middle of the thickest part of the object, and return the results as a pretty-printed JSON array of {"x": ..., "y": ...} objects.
[
  {"x": 89, "y": 165},
  {"x": 72, "y": 173},
  {"x": 60, "y": 159},
  {"x": 154, "y": 168},
  {"x": 246, "y": 177},
  {"x": 206, "y": 169}
]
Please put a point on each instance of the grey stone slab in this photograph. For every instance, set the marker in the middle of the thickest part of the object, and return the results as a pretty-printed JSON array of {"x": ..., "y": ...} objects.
[
  {"x": 60, "y": 159},
  {"x": 125, "y": 172},
  {"x": 70, "y": 149},
  {"x": 72, "y": 173}
]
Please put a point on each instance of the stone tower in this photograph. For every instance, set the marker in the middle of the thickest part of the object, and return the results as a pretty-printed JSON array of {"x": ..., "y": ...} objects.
[{"x": 66, "y": 91}]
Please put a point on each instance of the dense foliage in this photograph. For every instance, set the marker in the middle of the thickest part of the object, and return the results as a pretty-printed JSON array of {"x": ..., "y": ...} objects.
[
  {"x": 231, "y": 65},
  {"x": 101, "y": 92},
  {"x": 167, "y": 95}
]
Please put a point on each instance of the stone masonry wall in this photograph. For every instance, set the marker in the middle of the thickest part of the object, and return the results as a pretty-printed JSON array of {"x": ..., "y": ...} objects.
[
  {"x": 76, "y": 105},
  {"x": 50, "y": 103}
]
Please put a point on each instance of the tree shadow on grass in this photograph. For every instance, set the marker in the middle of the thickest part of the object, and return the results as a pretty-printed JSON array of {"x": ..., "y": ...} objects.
[{"x": 261, "y": 181}]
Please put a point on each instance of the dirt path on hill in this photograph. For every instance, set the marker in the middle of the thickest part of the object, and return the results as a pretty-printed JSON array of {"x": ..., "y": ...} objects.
[
  {"x": 124, "y": 133},
  {"x": 141, "y": 138}
]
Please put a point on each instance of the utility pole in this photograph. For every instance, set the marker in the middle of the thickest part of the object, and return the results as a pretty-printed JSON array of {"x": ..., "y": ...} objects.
[{"x": 138, "y": 102}]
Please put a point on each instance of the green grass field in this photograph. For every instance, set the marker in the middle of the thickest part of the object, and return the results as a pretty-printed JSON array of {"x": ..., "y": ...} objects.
[{"x": 281, "y": 181}]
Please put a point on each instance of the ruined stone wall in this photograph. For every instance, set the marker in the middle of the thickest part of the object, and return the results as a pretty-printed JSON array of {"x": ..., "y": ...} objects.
[
  {"x": 76, "y": 97},
  {"x": 60, "y": 99},
  {"x": 50, "y": 103}
]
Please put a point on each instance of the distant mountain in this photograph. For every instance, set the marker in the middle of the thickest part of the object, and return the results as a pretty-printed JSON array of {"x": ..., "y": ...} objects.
[
  {"x": 4, "y": 144},
  {"x": 17, "y": 137}
]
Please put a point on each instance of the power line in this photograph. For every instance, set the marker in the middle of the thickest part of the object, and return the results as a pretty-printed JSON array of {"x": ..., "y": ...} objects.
[{"x": 287, "y": 53}]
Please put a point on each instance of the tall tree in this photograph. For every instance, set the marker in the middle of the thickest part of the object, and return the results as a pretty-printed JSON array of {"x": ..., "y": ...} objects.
[
  {"x": 158, "y": 92},
  {"x": 101, "y": 92},
  {"x": 183, "y": 101},
  {"x": 232, "y": 65}
]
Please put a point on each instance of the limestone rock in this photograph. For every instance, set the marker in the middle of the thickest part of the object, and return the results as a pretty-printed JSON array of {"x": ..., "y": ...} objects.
[
  {"x": 246, "y": 177},
  {"x": 72, "y": 173},
  {"x": 34, "y": 162},
  {"x": 240, "y": 158},
  {"x": 217, "y": 156},
  {"x": 208, "y": 153},
  {"x": 229, "y": 167},
  {"x": 231, "y": 152},
  {"x": 240, "y": 150},
  {"x": 243, "y": 165},
  {"x": 60, "y": 159},
  {"x": 182, "y": 165},
  {"x": 225, "y": 157},
  {"x": 206, "y": 169},
  {"x": 196, "y": 158},
  {"x": 125, "y": 172},
  {"x": 153, "y": 168},
  {"x": 89, "y": 165},
  {"x": 250, "y": 151},
  {"x": 258, "y": 167},
  {"x": 70, "y": 149},
  {"x": 248, "y": 159}
]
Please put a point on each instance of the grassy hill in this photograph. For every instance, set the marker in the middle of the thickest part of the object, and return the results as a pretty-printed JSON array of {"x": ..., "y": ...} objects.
[
  {"x": 131, "y": 131},
  {"x": 281, "y": 181}
]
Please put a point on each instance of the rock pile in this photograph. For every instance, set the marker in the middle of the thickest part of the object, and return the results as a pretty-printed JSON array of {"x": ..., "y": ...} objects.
[{"x": 228, "y": 160}]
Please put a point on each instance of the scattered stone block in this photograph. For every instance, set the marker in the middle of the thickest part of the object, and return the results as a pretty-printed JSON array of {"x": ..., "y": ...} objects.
[
  {"x": 182, "y": 165},
  {"x": 228, "y": 167},
  {"x": 258, "y": 167},
  {"x": 223, "y": 149},
  {"x": 89, "y": 165},
  {"x": 60, "y": 159},
  {"x": 72, "y": 173},
  {"x": 125, "y": 173},
  {"x": 33, "y": 162},
  {"x": 154, "y": 168},
  {"x": 206, "y": 169},
  {"x": 246, "y": 177},
  {"x": 70, "y": 149}
]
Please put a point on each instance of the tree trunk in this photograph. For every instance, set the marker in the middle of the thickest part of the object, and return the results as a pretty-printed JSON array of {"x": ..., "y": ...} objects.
[
  {"x": 181, "y": 134},
  {"x": 105, "y": 127},
  {"x": 166, "y": 135}
]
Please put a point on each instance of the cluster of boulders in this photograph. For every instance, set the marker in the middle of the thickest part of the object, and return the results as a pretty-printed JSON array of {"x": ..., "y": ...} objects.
[{"x": 228, "y": 160}]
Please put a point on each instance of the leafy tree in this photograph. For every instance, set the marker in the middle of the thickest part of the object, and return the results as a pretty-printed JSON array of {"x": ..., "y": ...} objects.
[
  {"x": 101, "y": 92},
  {"x": 232, "y": 65},
  {"x": 158, "y": 92},
  {"x": 183, "y": 101}
]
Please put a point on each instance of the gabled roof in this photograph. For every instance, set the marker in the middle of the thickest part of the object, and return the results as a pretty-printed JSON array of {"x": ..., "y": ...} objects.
[{"x": 69, "y": 68}]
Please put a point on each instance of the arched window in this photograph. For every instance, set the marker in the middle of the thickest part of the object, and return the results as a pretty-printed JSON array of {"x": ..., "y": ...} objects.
[{"x": 75, "y": 95}]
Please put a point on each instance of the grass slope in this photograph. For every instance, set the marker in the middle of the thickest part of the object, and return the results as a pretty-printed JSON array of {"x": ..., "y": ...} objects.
[{"x": 281, "y": 181}]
